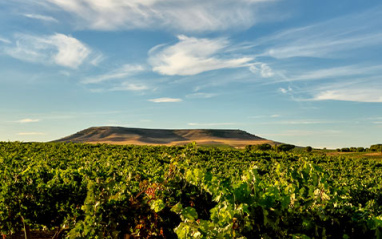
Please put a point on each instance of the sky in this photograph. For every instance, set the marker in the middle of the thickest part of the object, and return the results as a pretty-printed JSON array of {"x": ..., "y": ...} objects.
[{"x": 302, "y": 72}]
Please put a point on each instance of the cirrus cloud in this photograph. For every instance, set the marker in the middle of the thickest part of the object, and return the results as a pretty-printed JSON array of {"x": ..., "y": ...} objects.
[
  {"x": 120, "y": 73},
  {"x": 351, "y": 94},
  {"x": 165, "y": 100},
  {"x": 41, "y": 17},
  {"x": 5, "y": 40},
  {"x": 191, "y": 56},
  {"x": 23, "y": 121},
  {"x": 197, "y": 15},
  {"x": 58, "y": 48},
  {"x": 211, "y": 124},
  {"x": 127, "y": 86}
]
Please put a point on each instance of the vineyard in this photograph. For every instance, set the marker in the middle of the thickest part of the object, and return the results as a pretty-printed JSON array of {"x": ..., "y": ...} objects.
[{"x": 110, "y": 191}]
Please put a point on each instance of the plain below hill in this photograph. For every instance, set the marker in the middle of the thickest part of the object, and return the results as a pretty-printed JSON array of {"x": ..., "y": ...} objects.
[{"x": 140, "y": 136}]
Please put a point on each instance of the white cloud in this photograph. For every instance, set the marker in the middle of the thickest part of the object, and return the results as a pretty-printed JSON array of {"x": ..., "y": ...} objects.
[
  {"x": 97, "y": 59},
  {"x": 264, "y": 116},
  {"x": 263, "y": 69},
  {"x": 41, "y": 17},
  {"x": 266, "y": 71},
  {"x": 297, "y": 122},
  {"x": 210, "y": 124},
  {"x": 184, "y": 15},
  {"x": 191, "y": 56},
  {"x": 165, "y": 100},
  {"x": 120, "y": 73},
  {"x": 71, "y": 52},
  {"x": 351, "y": 94},
  {"x": 201, "y": 95},
  {"x": 28, "y": 121},
  {"x": 323, "y": 46},
  {"x": 5, "y": 40},
  {"x": 336, "y": 72},
  {"x": 30, "y": 133},
  {"x": 58, "y": 48},
  {"x": 330, "y": 39},
  {"x": 363, "y": 89},
  {"x": 124, "y": 86},
  {"x": 127, "y": 86}
]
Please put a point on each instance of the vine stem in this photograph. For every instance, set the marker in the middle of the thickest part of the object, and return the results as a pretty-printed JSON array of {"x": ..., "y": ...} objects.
[{"x": 27, "y": 233}]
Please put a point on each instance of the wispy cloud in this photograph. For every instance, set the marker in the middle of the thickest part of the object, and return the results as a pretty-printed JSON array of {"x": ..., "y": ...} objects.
[
  {"x": 97, "y": 59},
  {"x": 60, "y": 49},
  {"x": 191, "y": 56},
  {"x": 351, "y": 94},
  {"x": 285, "y": 90},
  {"x": 210, "y": 124},
  {"x": 5, "y": 40},
  {"x": 41, "y": 17},
  {"x": 264, "y": 116},
  {"x": 362, "y": 89},
  {"x": 127, "y": 86},
  {"x": 166, "y": 100},
  {"x": 328, "y": 39},
  {"x": 263, "y": 69},
  {"x": 338, "y": 72},
  {"x": 30, "y": 133},
  {"x": 349, "y": 41},
  {"x": 23, "y": 121},
  {"x": 120, "y": 73},
  {"x": 201, "y": 95},
  {"x": 298, "y": 122},
  {"x": 184, "y": 15}
]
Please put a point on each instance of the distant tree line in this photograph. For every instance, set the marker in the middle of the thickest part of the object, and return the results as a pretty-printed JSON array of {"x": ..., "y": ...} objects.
[
  {"x": 373, "y": 148},
  {"x": 288, "y": 147},
  {"x": 265, "y": 147}
]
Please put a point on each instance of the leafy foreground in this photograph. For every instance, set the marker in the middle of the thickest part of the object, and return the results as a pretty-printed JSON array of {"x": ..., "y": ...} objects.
[{"x": 108, "y": 191}]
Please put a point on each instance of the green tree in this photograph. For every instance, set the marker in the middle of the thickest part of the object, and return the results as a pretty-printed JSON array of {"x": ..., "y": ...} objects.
[
  {"x": 285, "y": 147},
  {"x": 376, "y": 147},
  {"x": 264, "y": 147}
]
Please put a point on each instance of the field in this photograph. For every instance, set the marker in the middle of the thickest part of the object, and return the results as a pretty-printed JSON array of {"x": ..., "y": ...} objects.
[
  {"x": 359, "y": 155},
  {"x": 125, "y": 191}
]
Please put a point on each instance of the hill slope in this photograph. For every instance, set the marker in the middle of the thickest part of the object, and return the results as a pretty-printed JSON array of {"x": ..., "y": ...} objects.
[{"x": 139, "y": 136}]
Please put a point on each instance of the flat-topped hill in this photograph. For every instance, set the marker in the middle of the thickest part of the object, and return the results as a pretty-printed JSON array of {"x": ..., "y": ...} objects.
[{"x": 140, "y": 136}]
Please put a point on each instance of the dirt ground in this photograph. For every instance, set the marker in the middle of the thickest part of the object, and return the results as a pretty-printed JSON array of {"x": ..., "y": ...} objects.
[{"x": 33, "y": 235}]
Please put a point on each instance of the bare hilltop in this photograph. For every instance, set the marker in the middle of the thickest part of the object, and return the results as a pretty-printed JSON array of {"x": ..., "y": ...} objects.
[{"x": 141, "y": 136}]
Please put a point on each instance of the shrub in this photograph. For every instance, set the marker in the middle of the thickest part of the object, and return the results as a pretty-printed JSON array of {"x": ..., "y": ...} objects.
[
  {"x": 264, "y": 147},
  {"x": 285, "y": 147}
]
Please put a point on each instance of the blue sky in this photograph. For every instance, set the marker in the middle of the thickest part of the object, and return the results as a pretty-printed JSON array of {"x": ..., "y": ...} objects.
[{"x": 294, "y": 71}]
